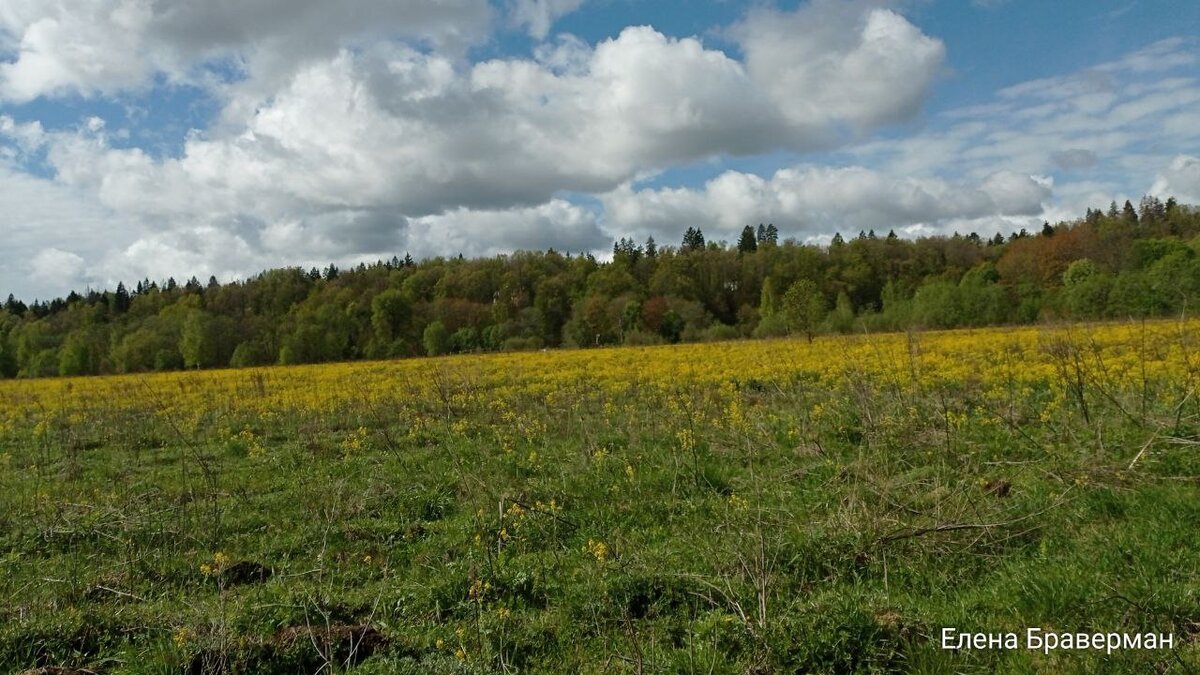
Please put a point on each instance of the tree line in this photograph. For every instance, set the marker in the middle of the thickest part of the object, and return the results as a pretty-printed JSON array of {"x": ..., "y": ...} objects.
[{"x": 1116, "y": 263}]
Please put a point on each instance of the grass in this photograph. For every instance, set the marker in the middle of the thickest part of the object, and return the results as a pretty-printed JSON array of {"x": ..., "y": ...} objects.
[{"x": 658, "y": 510}]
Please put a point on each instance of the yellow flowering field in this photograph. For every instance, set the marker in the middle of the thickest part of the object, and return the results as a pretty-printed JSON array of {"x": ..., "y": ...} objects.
[
  {"x": 769, "y": 506},
  {"x": 1117, "y": 356}
]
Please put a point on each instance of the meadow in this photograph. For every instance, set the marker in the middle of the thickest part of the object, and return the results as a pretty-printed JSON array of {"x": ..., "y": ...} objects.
[{"x": 768, "y": 506}]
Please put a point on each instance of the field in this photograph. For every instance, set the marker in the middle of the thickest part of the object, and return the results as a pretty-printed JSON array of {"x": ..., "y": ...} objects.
[{"x": 746, "y": 507}]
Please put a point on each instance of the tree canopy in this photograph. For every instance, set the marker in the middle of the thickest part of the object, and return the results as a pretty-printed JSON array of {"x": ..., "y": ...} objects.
[{"x": 1116, "y": 263}]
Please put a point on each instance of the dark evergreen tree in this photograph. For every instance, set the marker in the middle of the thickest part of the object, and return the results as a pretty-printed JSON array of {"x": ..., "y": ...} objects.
[
  {"x": 121, "y": 300},
  {"x": 1129, "y": 214},
  {"x": 747, "y": 243}
]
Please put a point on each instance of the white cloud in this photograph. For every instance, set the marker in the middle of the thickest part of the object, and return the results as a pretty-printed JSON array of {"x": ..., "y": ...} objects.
[
  {"x": 811, "y": 201},
  {"x": 104, "y": 46},
  {"x": 835, "y": 63},
  {"x": 539, "y": 15},
  {"x": 46, "y": 226},
  {"x": 385, "y": 147},
  {"x": 557, "y": 224},
  {"x": 1181, "y": 179},
  {"x": 1111, "y": 123},
  {"x": 398, "y": 128},
  {"x": 52, "y": 265}
]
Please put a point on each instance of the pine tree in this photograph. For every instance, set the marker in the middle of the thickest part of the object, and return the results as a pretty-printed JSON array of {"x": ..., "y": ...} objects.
[
  {"x": 693, "y": 239},
  {"x": 651, "y": 248},
  {"x": 121, "y": 299},
  {"x": 1129, "y": 214},
  {"x": 747, "y": 243}
]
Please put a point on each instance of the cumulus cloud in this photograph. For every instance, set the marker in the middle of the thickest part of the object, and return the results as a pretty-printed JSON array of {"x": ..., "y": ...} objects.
[
  {"x": 50, "y": 265},
  {"x": 386, "y": 147},
  {"x": 835, "y": 63},
  {"x": 103, "y": 46},
  {"x": 810, "y": 201},
  {"x": 396, "y": 127},
  {"x": 539, "y": 15},
  {"x": 1181, "y": 179},
  {"x": 558, "y": 224},
  {"x": 54, "y": 236}
]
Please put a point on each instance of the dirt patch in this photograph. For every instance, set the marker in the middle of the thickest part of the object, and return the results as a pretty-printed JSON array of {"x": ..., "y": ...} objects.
[
  {"x": 339, "y": 643},
  {"x": 997, "y": 487},
  {"x": 246, "y": 572}
]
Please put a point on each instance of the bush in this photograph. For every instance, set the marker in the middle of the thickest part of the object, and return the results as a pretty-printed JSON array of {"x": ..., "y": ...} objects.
[{"x": 638, "y": 338}]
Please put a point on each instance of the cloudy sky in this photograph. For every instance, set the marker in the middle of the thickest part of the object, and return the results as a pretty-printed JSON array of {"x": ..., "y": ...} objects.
[{"x": 156, "y": 138}]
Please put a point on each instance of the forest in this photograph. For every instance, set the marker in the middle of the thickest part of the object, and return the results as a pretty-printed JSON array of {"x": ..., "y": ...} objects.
[{"x": 1120, "y": 262}]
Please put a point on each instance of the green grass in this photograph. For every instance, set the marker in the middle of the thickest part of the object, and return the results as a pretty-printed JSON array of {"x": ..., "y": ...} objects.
[{"x": 797, "y": 543}]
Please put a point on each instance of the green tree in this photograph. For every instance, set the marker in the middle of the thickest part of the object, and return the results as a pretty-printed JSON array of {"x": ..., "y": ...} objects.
[
  {"x": 804, "y": 307},
  {"x": 436, "y": 339},
  {"x": 747, "y": 242},
  {"x": 206, "y": 341},
  {"x": 693, "y": 239},
  {"x": 768, "y": 304},
  {"x": 390, "y": 313},
  {"x": 841, "y": 319}
]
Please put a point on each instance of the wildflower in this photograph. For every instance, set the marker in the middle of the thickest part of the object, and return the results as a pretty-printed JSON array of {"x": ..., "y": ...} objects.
[
  {"x": 598, "y": 549},
  {"x": 181, "y": 637},
  {"x": 440, "y": 643}
]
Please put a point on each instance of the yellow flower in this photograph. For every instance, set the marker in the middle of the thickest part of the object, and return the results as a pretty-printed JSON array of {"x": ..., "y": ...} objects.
[
  {"x": 598, "y": 549},
  {"x": 181, "y": 637}
]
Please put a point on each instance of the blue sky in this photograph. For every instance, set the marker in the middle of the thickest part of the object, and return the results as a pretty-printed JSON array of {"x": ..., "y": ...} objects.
[{"x": 153, "y": 139}]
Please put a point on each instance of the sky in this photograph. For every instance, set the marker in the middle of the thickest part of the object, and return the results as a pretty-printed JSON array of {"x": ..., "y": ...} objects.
[{"x": 172, "y": 138}]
